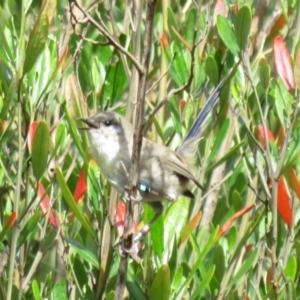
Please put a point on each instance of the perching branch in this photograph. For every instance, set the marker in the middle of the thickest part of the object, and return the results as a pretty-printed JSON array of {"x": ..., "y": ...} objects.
[{"x": 136, "y": 150}]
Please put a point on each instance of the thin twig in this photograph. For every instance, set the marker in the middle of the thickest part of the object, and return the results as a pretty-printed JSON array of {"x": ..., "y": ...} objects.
[
  {"x": 272, "y": 175},
  {"x": 108, "y": 36}
]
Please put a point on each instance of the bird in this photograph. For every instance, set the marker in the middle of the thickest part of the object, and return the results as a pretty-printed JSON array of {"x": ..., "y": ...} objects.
[{"x": 163, "y": 174}]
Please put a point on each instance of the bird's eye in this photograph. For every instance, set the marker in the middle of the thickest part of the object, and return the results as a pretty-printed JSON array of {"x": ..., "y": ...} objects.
[{"x": 107, "y": 123}]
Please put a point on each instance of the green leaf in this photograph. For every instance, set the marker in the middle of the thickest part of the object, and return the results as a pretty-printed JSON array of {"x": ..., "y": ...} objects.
[
  {"x": 174, "y": 221},
  {"x": 40, "y": 149},
  {"x": 83, "y": 252},
  {"x": 219, "y": 261},
  {"x": 199, "y": 260},
  {"x": 204, "y": 284},
  {"x": 249, "y": 263},
  {"x": 71, "y": 202},
  {"x": 264, "y": 73},
  {"x": 236, "y": 199},
  {"x": 172, "y": 24},
  {"x": 39, "y": 35},
  {"x": 175, "y": 116},
  {"x": 59, "y": 292},
  {"x": 11, "y": 97},
  {"x": 114, "y": 83},
  {"x": 290, "y": 289},
  {"x": 60, "y": 138},
  {"x": 30, "y": 229},
  {"x": 297, "y": 247},
  {"x": 161, "y": 285},
  {"x": 291, "y": 268},
  {"x": 294, "y": 148},
  {"x": 35, "y": 290},
  {"x": 225, "y": 157},
  {"x": 227, "y": 35},
  {"x": 156, "y": 231},
  {"x": 242, "y": 26},
  {"x": 158, "y": 128},
  {"x": 219, "y": 139},
  {"x": 189, "y": 28},
  {"x": 74, "y": 134},
  {"x": 179, "y": 70},
  {"x": 212, "y": 70},
  {"x": 178, "y": 278},
  {"x": 132, "y": 284},
  {"x": 50, "y": 240},
  {"x": 232, "y": 237},
  {"x": 39, "y": 77}
]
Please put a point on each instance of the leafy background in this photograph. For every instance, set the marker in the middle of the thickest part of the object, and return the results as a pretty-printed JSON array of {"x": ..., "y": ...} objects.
[{"x": 60, "y": 220}]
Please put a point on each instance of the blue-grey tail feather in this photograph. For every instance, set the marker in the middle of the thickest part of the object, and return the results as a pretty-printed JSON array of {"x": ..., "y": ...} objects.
[{"x": 209, "y": 105}]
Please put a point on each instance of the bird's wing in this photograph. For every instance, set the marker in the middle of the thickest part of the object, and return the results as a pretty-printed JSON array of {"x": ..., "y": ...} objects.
[{"x": 177, "y": 166}]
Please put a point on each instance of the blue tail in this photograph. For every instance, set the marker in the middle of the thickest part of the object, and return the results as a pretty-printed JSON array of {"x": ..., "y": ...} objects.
[{"x": 209, "y": 105}]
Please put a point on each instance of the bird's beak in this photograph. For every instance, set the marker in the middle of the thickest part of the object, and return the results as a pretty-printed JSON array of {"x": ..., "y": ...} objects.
[{"x": 89, "y": 122}]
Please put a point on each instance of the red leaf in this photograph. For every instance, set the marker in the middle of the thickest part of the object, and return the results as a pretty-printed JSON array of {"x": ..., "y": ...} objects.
[
  {"x": 11, "y": 220},
  {"x": 238, "y": 214},
  {"x": 283, "y": 203},
  {"x": 44, "y": 198},
  {"x": 190, "y": 226},
  {"x": 221, "y": 8},
  {"x": 283, "y": 64},
  {"x": 54, "y": 219},
  {"x": 80, "y": 188},
  {"x": 261, "y": 135},
  {"x": 120, "y": 218},
  {"x": 31, "y": 132},
  {"x": 45, "y": 206}
]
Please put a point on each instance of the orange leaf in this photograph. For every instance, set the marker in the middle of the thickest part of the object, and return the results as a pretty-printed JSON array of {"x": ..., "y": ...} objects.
[
  {"x": 182, "y": 104},
  {"x": 283, "y": 203},
  {"x": 120, "y": 217},
  {"x": 4, "y": 124},
  {"x": 279, "y": 24},
  {"x": 80, "y": 188},
  {"x": 11, "y": 220},
  {"x": 190, "y": 226},
  {"x": 31, "y": 132},
  {"x": 238, "y": 214},
  {"x": 261, "y": 135},
  {"x": 293, "y": 180},
  {"x": 163, "y": 40},
  {"x": 283, "y": 64}
]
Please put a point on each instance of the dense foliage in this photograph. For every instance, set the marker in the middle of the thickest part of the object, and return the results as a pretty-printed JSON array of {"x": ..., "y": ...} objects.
[{"x": 60, "y": 220}]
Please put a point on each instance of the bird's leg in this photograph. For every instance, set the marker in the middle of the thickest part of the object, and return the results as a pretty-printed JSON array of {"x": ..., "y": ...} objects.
[{"x": 158, "y": 208}]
